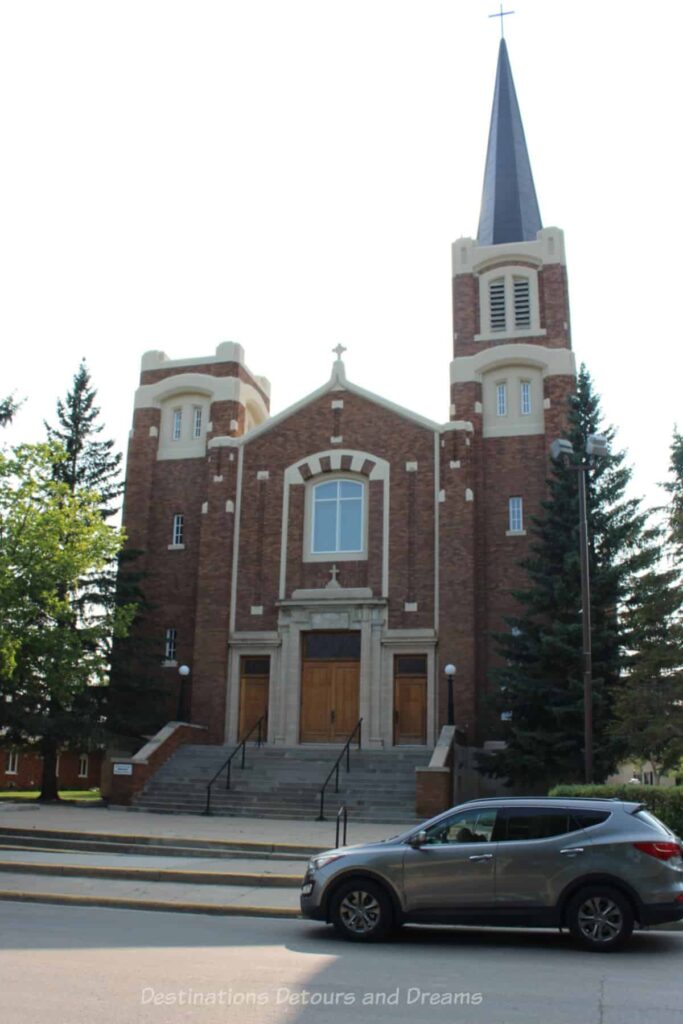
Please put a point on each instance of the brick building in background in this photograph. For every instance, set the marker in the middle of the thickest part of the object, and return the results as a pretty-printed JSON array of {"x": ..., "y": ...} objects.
[{"x": 326, "y": 563}]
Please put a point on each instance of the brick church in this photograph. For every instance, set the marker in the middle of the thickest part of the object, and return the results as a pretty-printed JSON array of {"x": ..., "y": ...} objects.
[{"x": 326, "y": 563}]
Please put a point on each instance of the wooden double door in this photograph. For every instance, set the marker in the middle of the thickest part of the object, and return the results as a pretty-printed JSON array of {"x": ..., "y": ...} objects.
[{"x": 329, "y": 700}]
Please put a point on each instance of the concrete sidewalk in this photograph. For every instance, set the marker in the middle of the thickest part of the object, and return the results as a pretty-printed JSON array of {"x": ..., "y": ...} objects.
[{"x": 120, "y": 821}]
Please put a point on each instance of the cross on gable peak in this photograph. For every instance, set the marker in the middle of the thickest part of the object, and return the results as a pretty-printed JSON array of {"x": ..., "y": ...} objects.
[{"x": 338, "y": 350}]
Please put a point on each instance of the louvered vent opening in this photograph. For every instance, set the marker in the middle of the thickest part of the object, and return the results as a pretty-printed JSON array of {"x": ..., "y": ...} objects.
[
  {"x": 497, "y": 304},
  {"x": 522, "y": 302}
]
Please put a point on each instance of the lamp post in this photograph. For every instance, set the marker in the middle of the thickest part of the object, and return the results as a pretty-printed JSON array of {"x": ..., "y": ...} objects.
[
  {"x": 596, "y": 445},
  {"x": 450, "y": 675},
  {"x": 183, "y": 672}
]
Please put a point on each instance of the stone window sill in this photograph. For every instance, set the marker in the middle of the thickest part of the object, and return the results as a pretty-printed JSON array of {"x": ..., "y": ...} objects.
[
  {"x": 176, "y": 547},
  {"x": 515, "y": 533}
]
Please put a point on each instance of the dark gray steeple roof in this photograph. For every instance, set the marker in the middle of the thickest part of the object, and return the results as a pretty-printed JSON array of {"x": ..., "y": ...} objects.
[{"x": 509, "y": 208}]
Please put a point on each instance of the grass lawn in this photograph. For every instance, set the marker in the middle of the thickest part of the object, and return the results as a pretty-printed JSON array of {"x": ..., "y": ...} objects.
[{"x": 85, "y": 795}]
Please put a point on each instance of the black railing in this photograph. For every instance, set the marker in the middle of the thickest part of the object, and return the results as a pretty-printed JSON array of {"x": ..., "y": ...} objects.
[
  {"x": 256, "y": 727},
  {"x": 343, "y": 820},
  {"x": 335, "y": 768}
]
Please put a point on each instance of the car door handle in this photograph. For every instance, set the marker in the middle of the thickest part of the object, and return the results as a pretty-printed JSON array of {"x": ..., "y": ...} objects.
[
  {"x": 571, "y": 851},
  {"x": 481, "y": 856}
]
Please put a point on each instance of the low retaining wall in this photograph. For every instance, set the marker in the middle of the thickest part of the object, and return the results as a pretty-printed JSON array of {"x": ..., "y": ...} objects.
[{"x": 127, "y": 776}]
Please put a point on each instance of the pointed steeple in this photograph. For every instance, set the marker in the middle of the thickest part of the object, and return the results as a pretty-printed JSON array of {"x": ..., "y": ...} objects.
[{"x": 509, "y": 208}]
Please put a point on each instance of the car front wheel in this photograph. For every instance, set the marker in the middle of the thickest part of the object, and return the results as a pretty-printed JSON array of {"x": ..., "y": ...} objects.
[
  {"x": 361, "y": 911},
  {"x": 601, "y": 918}
]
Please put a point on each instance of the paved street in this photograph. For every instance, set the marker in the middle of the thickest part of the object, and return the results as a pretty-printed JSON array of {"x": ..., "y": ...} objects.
[{"x": 62, "y": 965}]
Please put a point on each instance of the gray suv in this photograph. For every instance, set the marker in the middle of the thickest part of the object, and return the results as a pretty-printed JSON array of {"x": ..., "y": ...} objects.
[{"x": 595, "y": 867}]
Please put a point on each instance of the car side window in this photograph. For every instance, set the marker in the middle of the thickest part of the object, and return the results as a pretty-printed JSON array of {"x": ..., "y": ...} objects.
[
  {"x": 517, "y": 824},
  {"x": 585, "y": 819},
  {"x": 474, "y": 826}
]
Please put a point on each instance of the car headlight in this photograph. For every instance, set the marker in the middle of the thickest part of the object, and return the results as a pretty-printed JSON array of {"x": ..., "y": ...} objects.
[{"x": 320, "y": 862}]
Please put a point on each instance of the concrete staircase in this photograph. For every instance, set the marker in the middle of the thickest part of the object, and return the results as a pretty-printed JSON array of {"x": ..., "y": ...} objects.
[{"x": 280, "y": 782}]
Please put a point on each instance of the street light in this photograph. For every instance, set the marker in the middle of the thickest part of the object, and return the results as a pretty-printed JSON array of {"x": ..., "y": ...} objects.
[
  {"x": 597, "y": 445},
  {"x": 450, "y": 675},
  {"x": 183, "y": 672}
]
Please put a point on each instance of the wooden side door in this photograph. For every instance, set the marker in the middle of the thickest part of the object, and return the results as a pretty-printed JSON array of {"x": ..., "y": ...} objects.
[
  {"x": 316, "y": 701},
  {"x": 410, "y": 710},
  {"x": 345, "y": 699},
  {"x": 253, "y": 704}
]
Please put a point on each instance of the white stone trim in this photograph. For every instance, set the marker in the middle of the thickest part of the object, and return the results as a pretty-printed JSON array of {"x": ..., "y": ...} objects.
[
  {"x": 236, "y": 541},
  {"x": 292, "y": 478},
  {"x": 552, "y": 362},
  {"x": 437, "y": 512},
  {"x": 263, "y": 474},
  {"x": 411, "y": 467},
  {"x": 337, "y": 403},
  {"x": 257, "y": 609},
  {"x": 176, "y": 547},
  {"x": 468, "y": 257},
  {"x": 410, "y": 606}
]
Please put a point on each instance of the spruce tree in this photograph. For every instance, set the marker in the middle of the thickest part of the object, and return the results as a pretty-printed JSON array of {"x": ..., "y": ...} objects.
[
  {"x": 674, "y": 488},
  {"x": 129, "y": 706},
  {"x": 92, "y": 464},
  {"x": 8, "y": 408},
  {"x": 649, "y": 707},
  {"x": 541, "y": 680}
]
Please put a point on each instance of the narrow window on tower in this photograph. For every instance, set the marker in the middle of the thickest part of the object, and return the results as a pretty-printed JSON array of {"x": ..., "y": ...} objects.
[
  {"x": 83, "y": 766},
  {"x": 525, "y": 398},
  {"x": 171, "y": 646},
  {"x": 12, "y": 763},
  {"x": 197, "y": 421},
  {"x": 497, "y": 304},
  {"x": 522, "y": 301},
  {"x": 501, "y": 399},
  {"x": 177, "y": 424},
  {"x": 178, "y": 529},
  {"x": 515, "y": 516}
]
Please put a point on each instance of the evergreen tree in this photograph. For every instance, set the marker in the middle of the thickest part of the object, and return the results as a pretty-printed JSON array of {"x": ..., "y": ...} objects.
[
  {"x": 91, "y": 464},
  {"x": 649, "y": 705},
  {"x": 674, "y": 488},
  {"x": 541, "y": 682},
  {"x": 8, "y": 408}
]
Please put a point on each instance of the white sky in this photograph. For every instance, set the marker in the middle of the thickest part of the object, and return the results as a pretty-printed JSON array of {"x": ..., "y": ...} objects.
[{"x": 290, "y": 174}]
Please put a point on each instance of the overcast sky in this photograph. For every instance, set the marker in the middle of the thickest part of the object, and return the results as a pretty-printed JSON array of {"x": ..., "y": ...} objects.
[{"x": 290, "y": 174}]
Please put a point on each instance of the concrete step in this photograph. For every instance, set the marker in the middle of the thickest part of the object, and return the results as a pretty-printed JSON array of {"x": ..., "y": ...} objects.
[
  {"x": 175, "y": 897},
  {"x": 57, "y": 839}
]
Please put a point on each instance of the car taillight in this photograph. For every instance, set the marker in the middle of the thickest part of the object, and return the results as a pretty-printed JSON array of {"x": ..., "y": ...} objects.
[{"x": 662, "y": 851}]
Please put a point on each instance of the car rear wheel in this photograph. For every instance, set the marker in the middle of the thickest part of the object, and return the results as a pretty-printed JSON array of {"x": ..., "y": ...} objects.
[
  {"x": 361, "y": 911},
  {"x": 601, "y": 918}
]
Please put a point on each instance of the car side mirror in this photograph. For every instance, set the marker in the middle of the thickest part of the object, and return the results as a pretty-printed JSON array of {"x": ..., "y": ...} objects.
[{"x": 419, "y": 839}]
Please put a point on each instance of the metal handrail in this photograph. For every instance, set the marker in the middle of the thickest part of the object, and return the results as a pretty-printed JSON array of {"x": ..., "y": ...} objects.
[
  {"x": 342, "y": 814},
  {"x": 228, "y": 763},
  {"x": 335, "y": 768}
]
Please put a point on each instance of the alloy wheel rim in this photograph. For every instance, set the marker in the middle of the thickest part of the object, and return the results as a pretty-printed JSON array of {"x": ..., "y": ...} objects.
[
  {"x": 359, "y": 912},
  {"x": 600, "y": 919}
]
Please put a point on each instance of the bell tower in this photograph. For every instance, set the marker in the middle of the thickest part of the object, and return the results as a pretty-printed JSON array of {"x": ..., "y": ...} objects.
[{"x": 511, "y": 376}]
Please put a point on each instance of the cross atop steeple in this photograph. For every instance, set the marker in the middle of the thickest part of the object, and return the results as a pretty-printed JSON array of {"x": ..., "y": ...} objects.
[
  {"x": 338, "y": 350},
  {"x": 501, "y": 14}
]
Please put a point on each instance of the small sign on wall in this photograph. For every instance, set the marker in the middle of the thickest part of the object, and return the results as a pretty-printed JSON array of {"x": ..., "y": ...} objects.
[{"x": 123, "y": 769}]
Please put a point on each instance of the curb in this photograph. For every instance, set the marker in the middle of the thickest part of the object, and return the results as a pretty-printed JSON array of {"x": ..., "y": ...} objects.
[
  {"x": 132, "y": 839},
  {"x": 185, "y": 875},
  {"x": 117, "y": 903}
]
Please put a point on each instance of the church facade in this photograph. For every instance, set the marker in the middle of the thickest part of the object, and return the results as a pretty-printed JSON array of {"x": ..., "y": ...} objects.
[{"x": 325, "y": 564}]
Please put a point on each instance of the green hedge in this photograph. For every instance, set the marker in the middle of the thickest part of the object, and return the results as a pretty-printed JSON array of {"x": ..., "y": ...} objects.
[{"x": 664, "y": 801}]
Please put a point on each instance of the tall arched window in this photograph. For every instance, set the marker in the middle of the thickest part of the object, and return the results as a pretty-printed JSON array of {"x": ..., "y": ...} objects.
[{"x": 337, "y": 520}]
